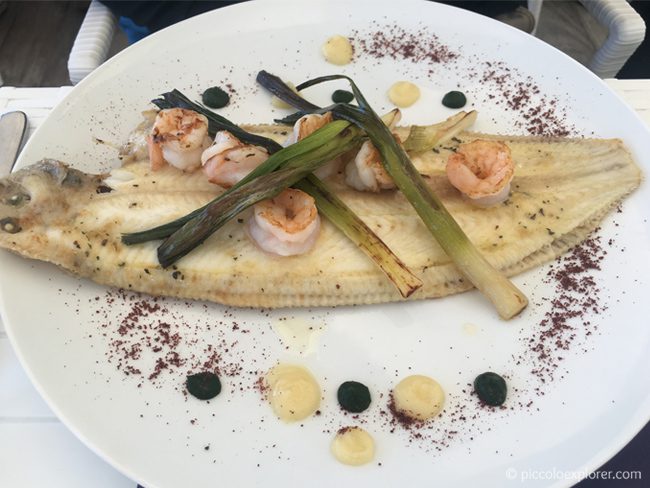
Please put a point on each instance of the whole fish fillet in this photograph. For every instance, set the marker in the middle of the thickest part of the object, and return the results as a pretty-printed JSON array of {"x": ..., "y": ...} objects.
[{"x": 560, "y": 192}]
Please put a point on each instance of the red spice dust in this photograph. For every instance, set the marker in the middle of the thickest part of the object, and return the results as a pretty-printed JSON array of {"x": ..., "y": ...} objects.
[
  {"x": 344, "y": 430},
  {"x": 151, "y": 341},
  {"x": 576, "y": 298},
  {"x": 488, "y": 82},
  {"x": 401, "y": 418},
  {"x": 394, "y": 42},
  {"x": 502, "y": 85}
]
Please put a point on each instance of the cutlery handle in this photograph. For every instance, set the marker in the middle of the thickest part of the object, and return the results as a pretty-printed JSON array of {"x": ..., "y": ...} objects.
[{"x": 12, "y": 132}]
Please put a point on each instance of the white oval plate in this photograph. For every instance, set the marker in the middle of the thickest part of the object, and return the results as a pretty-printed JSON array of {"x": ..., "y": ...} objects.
[{"x": 154, "y": 434}]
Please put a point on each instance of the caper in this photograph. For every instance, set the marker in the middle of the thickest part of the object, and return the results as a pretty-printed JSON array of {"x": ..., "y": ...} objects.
[
  {"x": 204, "y": 385},
  {"x": 491, "y": 388},
  {"x": 454, "y": 99},
  {"x": 353, "y": 396}
]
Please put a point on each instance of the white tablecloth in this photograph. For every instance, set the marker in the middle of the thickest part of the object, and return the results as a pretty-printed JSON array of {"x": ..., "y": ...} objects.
[{"x": 36, "y": 450}]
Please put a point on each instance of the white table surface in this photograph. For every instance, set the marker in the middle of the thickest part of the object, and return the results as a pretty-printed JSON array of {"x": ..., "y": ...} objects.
[{"x": 36, "y": 449}]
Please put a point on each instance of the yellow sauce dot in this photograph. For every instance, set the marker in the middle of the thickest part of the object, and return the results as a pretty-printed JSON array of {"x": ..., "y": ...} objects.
[
  {"x": 294, "y": 393},
  {"x": 353, "y": 446},
  {"x": 403, "y": 94},
  {"x": 338, "y": 50},
  {"x": 419, "y": 397}
]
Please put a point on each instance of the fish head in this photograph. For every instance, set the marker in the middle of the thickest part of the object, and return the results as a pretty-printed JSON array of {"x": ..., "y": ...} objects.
[{"x": 39, "y": 195}]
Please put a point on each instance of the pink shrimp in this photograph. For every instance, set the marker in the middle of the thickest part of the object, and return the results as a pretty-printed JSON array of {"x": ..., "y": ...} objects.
[
  {"x": 286, "y": 225},
  {"x": 366, "y": 172},
  {"x": 482, "y": 171},
  {"x": 228, "y": 160},
  {"x": 178, "y": 138},
  {"x": 306, "y": 125}
]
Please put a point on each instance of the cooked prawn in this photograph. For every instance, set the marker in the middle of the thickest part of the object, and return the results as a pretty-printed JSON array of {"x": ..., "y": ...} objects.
[
  {"x": 178, "y": 137},
  {"x": 228, "y": 160},
  {"x": 366, "y": 172},
  {"x": 482, "y": 171},
  {"x": 286, "y": 225},
  {"x": 306, "y": 125}
]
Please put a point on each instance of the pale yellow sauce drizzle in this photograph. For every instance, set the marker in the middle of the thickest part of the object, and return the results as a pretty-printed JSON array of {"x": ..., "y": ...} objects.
[
  {"x": 293, "y": 392},
  {"x": 470, "y": 329},
  {"x": 353, "y": 446},
  {"x": 419, "y": 397},
  {"x": 338, "y": 50},
  {"x": 403, "y": 94},
  {"x": 299, "y": 336}
]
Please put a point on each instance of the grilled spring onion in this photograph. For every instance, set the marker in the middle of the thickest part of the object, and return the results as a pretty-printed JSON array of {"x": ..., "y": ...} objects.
[
  {"x": 268, "y": 185},
  {"x": 357, "y": 231},
  {"x": 335, "y": 138},
  {"x": 276, "y": 160},
  {"x": 342, "y": 217},
  {"x": 505, "y": 296},
  {"x": 425, "y": 138}
]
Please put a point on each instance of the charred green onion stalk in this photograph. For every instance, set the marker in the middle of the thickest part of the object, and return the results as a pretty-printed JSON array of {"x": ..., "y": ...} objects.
[
  {"x": 283, "y": 168},
  {"x": 358, "y": 232},
  {"x": 337, "y": 137},
  {"x": 425, "y": 138},
  {"x": 507, "y": 299}
]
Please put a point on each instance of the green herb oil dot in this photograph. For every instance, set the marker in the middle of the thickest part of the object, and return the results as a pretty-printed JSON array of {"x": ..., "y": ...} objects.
[
  {"x": 454, "y": 99},
  {"x": 203, "y": 386},
  {"x": 491, "y": 388},
  {"x": 215, "y": 97},
  {"x": 353, "y": 396},
  {"x": 342, "y": 96}
]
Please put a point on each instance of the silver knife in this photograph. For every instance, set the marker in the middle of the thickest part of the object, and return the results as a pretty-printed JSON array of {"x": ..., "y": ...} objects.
[{"x": 12, "y": 131}]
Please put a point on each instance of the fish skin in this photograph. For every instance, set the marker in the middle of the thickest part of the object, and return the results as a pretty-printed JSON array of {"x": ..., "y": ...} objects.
[{"x": 67, "y": 220}]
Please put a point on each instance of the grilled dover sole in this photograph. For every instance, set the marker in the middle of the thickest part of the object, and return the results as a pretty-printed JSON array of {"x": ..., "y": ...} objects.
[{"x": 560, "y": 192}]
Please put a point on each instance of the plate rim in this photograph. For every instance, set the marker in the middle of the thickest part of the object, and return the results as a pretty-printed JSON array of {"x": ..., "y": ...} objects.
[{"x": 597, "y": 461}]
